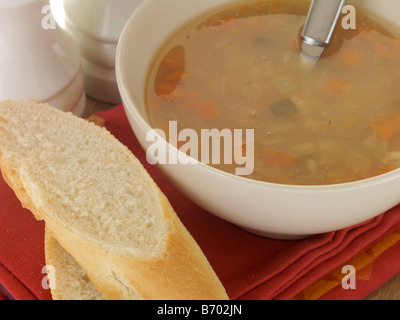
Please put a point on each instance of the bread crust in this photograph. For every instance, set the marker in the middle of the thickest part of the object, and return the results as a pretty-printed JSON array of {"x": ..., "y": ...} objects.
[
  {"x": 66, "y": 278},
  {"x": 181, "y": 273}
]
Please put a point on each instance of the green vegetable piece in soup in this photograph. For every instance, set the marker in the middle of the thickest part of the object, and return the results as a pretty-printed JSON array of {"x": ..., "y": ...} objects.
[{"x": 284, "y": 108}]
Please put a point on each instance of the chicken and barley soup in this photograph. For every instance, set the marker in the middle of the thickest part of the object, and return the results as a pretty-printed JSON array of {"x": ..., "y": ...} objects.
[{"x": 239, "y": 68}]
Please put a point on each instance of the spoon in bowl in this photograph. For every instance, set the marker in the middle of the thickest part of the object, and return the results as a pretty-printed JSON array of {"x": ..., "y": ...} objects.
[{"x": 319, "y": 28}]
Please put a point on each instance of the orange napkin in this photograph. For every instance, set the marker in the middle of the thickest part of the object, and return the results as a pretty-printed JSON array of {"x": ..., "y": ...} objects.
[{"x": 250, "y": 267}]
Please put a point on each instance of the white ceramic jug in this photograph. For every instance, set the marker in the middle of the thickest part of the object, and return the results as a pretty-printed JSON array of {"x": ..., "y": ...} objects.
[
  {"x": 39, "y": 60},
  {"x": 97, "y": 25}
]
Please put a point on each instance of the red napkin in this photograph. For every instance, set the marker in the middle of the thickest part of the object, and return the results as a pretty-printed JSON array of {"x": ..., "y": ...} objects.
[{"x": 250, "y": 267}]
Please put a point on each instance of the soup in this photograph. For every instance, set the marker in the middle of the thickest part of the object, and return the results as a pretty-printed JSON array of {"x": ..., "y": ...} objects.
[{"x": 240, "y": 68}]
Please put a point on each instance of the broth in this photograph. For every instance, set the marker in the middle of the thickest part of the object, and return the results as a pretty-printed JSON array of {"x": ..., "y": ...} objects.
[{"x": 239, "y": 68}]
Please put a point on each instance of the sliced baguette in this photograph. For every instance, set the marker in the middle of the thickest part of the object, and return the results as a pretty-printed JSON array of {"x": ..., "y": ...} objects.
[
  {"x": 101, "y": 205},
  {"x": 69, "y": 281}
]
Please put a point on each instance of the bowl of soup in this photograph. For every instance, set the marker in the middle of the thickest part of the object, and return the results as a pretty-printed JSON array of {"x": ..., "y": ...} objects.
[{"x": 218, "y": 96}]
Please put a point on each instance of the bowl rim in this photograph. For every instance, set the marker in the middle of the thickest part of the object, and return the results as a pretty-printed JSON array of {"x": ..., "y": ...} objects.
[{"x": 131, "y": 108}]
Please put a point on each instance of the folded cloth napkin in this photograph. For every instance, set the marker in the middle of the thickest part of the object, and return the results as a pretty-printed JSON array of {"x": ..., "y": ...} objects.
[{"x": 250, "y": 267}]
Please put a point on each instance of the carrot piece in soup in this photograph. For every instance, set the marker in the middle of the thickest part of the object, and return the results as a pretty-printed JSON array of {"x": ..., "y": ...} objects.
[
  {"x": 170, "y": 72},
  {"x": 387, "y": 126},
  {"x": 208, "y": 110},
  {"x": 174, "y": 60},
  {"x": 165, "y": 89},
  {"x": 336, "y": 86},
  {"x": 280, "y": 159},
  {"x": 177, "y": 75}
]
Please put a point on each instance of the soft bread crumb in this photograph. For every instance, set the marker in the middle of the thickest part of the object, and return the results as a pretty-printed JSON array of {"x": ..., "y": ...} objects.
[
  {"x": 102, "y": 193},
  {"x": 101, "y": 206}
]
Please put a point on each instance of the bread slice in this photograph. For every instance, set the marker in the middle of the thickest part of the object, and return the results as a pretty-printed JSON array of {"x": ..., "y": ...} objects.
[
  {"x": 70, "y": 281},
  {"x": 101, "y": 205}
]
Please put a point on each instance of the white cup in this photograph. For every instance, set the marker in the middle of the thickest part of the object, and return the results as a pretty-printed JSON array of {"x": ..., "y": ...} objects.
[
  {"x": 38, "y": 60},
  {"x": 97, "y": 25}
]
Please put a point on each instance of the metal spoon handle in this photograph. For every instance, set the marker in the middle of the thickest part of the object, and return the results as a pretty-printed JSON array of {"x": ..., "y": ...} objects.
[{"x": 321, "y": 21}]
